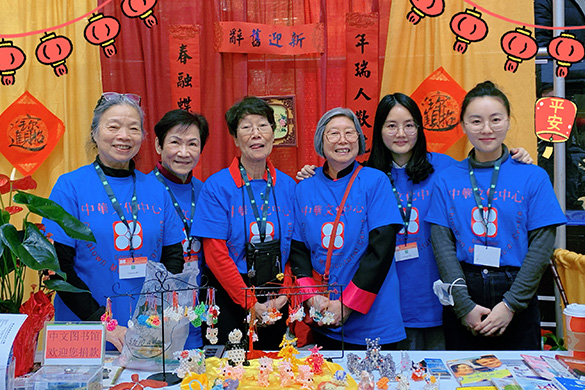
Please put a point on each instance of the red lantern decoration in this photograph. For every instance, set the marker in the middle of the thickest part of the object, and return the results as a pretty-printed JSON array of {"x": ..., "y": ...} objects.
[
  {"x": 54, "y": 50},
  {"x": 519, "y": 45},
  {"x": 469, "y": 27},
  {"x": 141, "y": 9},
  {"x": 553, "y": 120},
  {"x": 422, "y": 8},
  {"x": 11, "y": 59},
  {"x": 102, "y": 30},
  {"x": 567, "y": 50}
]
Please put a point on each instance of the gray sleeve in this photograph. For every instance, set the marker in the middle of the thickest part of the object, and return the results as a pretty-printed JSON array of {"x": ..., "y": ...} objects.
[
  {"x": 540, "y": 246},
  {"x": 449, "y": 267}
]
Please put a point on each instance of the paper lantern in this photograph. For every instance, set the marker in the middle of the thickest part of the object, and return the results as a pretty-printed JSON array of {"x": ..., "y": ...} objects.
[
  {"x": 519, "y": 45},
  {"x": 102, "y": 30},
  {"x": 422, "y": 8},
  {"x": 141, "y": 9},
  {"x": 567, "y": 50},
  {"x": 469, "y": 27},
  {"x": 54, "y": 50},
  {"x": 553, "y": 120},
  {"x": 11, "y": 59}
]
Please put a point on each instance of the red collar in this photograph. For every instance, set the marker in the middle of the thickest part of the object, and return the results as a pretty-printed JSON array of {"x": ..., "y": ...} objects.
[
  {"x": 237, "y": 177},
  {"x": 171, "y": 176}
]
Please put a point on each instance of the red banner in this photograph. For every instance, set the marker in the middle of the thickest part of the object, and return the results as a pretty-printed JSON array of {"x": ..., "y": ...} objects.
[
  {"x": 28, "y": 133},
  {"x": 185, "y": 70},
  {"x": 256, "y": 38},
  {"x": 362, "y": 69},
  {"x": 439, "y": 98}
]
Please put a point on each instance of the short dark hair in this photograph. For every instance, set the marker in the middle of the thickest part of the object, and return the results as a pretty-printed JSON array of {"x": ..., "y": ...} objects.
[
  {"x": 250, "y": 105},
  {"x": 487, "y": 88},
  {"x": 183, "y": 118},
  {"x": 418, "y": 167}
]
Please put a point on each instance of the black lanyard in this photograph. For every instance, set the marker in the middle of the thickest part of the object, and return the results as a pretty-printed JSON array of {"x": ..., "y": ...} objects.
[
  {"x": 405, "y": 213},
  {"x": 117, "y": 206},
  {"x": 186, "y": 224},
  {"x": 260, "y": 222},
  {"x": 491, "y": 191}
]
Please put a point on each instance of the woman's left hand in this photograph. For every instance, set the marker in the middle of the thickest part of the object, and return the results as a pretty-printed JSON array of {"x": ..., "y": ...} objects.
[
  {"x": 496, "y": 322},
  {"x": 521, "y": 155},
  {"x": 336, "y": 307}
]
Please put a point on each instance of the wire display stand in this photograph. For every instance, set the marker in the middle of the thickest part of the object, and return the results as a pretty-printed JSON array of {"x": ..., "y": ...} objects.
[
  {"x": 161, "y": 285},
  {"x": 270, "y": 290}
]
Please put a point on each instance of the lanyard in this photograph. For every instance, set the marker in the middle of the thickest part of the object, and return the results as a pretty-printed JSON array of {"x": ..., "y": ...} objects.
[
  {"x": 116, "y": 204},
  {"x": 186, "y": 224},
  {"x": 260, "y": 222},
  {"x": 491, "y": 191},
  {"x": 405, "y": 213}
]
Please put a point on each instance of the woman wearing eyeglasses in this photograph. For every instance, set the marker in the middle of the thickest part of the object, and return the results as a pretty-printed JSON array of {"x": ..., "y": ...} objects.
[
  {"x": 129, "y": 213},
  {"x": 245, "y": 219},
  {"x": 346, "y": 222},
  {"x": 493, "y": 229},
  {"x": 180, "y": 138}
]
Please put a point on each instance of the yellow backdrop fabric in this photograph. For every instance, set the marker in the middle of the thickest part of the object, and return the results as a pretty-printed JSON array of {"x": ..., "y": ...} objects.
[
  {"x": 415, "y": 51},
  {"x": 70, "y": 97}
]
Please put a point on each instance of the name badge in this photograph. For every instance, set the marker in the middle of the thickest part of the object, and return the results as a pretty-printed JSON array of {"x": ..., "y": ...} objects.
[
  {"x": 130, "y": 268},
  {"x": 486, "y": 255},
  {"x": 406, "y": 252}
]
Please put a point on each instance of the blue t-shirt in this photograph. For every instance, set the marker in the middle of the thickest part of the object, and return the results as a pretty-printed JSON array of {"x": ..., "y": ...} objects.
[
  {"x": 224, "y": 212},
  {"x": 82, "y": 194},
  {"x": 369, "y": 205},
  {"x": 420, "y": 307},
  {"x": 193, "y": 255},
  {"x": 524, "y": 200}
]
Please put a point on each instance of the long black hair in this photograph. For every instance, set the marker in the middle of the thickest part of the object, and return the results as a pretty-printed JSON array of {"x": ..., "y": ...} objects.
[{"x": 418, "y": 168}]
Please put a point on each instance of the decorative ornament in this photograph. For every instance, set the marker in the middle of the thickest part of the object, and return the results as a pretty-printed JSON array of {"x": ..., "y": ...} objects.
[
  {"x": 212, "y": 308},
  {"x": 305, "y": 377},
  {"x": 286, "y": 373},
  {"x": 272, "y": 314},
  {"x": 315, "y": 360},
  {"x": 138, "y": 384},
  {"x": 102, "y": 30},
  {"x": 296, "y": 313},
  {"x": 107, "y": 318},
  {"x": 469, "y": 27},
  {"x": 403, "y": 383},
  {"x": 235, "y": 349},
  {"x": 54, "y": 50},
  {"x": 431, "y": 383},
  {"x": 264, "y": 371},
  {"x": 567, "y": 50},
  {"x": 418, "y": 372},
  {"x": 288, "y": 351},
  {"x": 211, "y": 335},
  {"x": 553, "y": 120},
  {"x": 422, "y": 8},
  {"x": 174, "y": 312},
  {"x": 405, "y": 362},
  {"x": 520, "y": 46},
  {"x": 366, "y": 381},
  {"x": 11, "y": 59},
  {"x": 382, "y": 384},
  {"x": 141, "y": 9},
  {"x": 190, "y": 360}
]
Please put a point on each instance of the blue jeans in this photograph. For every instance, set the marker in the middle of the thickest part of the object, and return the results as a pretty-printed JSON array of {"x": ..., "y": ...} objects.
[{"x": 486, "y": 286}]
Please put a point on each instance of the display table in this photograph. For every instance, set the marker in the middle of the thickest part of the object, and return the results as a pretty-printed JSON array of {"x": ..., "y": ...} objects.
[{"x": 415, "y": 356}]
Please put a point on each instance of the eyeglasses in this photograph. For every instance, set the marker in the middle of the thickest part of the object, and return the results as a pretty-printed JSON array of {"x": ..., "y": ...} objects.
[
  {"x": 115, "y": 95},
  {"x": 263, "y": 128},
  {"x": 335, "y": 136},
  {"x": 477, "y": 125},
  {"x": 392, "y": 128}
]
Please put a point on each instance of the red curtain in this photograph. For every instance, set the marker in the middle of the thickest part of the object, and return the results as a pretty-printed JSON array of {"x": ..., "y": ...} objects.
[{"x": 317, "y": 81}]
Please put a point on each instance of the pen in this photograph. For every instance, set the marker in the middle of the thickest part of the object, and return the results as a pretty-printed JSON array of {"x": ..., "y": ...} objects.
[{"x": 116, "y": 376}]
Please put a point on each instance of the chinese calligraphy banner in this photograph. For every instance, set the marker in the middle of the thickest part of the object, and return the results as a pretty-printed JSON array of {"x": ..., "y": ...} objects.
[
  {"x": 256, "y": 38},
  {"x": 185, "y": 67},
  {"x": 439, "y": 98},
  {"x": 362, "y": 69},
  {"x": 28, "y": 133}
]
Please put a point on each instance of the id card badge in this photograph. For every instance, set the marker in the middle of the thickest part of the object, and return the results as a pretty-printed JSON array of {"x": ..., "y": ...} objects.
[
  {"x": 486, "y": 255},
  {"x": 130, "y": 268},
  {"x": 406, "y": 252}
]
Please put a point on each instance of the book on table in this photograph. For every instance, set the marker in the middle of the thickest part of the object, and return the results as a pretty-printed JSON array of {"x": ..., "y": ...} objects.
[
  {"x": 543, "y": 368},
  {"x": 568, "y": 383},
  {"x": 478, "y": 370},
  {"x": 575, "y": 365}
]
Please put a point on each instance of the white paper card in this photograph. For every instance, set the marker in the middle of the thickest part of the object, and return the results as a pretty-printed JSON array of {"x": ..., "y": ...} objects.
[{"x": 486, "y": 255}]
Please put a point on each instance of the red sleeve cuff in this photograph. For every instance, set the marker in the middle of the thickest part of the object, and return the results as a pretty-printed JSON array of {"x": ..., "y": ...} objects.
[
  {"x": 357, "y": 299},
  {"x": 306, "y": 292}
]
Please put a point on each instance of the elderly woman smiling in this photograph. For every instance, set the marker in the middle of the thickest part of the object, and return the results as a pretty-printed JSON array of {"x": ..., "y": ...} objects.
[{"x": 353, "y": 248}]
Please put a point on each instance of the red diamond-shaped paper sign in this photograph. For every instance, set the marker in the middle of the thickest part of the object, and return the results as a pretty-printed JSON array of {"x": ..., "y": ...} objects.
[
  {"x": 439, "y": 98},
  {"x": 28, "y": 133}
]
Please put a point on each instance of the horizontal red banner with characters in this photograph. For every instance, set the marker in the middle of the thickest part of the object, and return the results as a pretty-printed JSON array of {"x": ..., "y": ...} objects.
[{"x": 242, "y": 37}]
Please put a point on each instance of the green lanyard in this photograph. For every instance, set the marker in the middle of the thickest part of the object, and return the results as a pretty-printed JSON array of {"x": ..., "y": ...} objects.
[
  {"x": 260, "y": 222},
  {"x": 405, "y": 213},
  {"x": 186, "y": 224},
  {"x": 116, "y": 204},
  {"x": 491, "y": 191}
]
